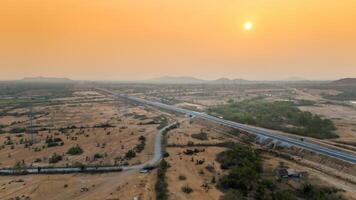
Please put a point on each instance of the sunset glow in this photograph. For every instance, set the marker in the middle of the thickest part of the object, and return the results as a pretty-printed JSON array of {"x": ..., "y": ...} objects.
[
  {"x": 126, "y": 39},
  {"x": 248, "y": 26}
]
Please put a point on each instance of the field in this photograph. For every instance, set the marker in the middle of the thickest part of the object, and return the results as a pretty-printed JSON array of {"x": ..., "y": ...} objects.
[
  {"x": 104, "y": 130},
  {"x": 81, "y": 126},
  {"x": 110, "y": 186}
]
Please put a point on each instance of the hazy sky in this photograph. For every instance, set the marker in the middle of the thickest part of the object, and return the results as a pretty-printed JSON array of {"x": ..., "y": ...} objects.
[{"x": 139, "y": 39}]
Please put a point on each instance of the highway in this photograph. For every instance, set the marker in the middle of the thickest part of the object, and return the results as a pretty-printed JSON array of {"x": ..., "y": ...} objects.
[{"x": 327, "y": 151}]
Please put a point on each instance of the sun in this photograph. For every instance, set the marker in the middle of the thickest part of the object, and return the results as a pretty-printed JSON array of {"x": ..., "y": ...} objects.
[{"x": 248, "y": 26}]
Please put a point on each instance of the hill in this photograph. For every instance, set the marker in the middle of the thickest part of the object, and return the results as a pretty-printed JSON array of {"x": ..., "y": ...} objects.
[
  {"x": 227, "y": 81},
  {"x": 176, "y": 80},
  {"x": 193, "y": 80},
  {"x": 345, "y": 81},
  {"x": 41, "y": 79}
]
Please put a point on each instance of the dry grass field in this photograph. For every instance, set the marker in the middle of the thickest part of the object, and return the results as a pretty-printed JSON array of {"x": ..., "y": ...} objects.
[{"x": 107, "y": 186}]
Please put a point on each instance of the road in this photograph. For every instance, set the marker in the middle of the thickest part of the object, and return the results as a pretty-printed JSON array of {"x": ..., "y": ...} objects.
[
  {"x": 327, "y": 151},
  {"x": 157, "y": 156}
]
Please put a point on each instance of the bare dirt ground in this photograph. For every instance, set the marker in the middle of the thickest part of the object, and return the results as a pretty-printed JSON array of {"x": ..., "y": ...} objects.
[
  {"x": 109, "y": 143},
  {"x": 92, "y": 141},
  {"x": 186, "y": 170},
  {"x": 85, "y": 110},
  {"x": 196, "y": 176},
  {"x": 7, "y": 120},
  {"x": 108, "y": 186},
  {"x": 183, "y": 134},
  {"x": 88, "y": 108}
]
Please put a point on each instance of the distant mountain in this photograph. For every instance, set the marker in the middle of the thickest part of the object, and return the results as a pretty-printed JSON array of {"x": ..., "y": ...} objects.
[
  {"x": 296, "y": 78},
  {"x": 228, "y": 81},
  {"x": 193, "y": 80},
  {"x": 176, "y": 80},
  {"x": 41, "y": 79},
  {"x": 345, "y": 81}
]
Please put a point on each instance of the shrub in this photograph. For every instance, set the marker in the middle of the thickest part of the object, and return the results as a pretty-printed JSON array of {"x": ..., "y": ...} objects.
[
  {"x": 142, "y": 138},
  {"x": 8, "y": 142},
  {"x": 310, "y": 191},
  {"x": 55, "y": 158},
  {"x": 186, "y": 189},
  {"x": 98, "y": 156},
  {"x": 161, "y": 184},
  {"x": 182, "y": 177},
  {"x": 130, "y": 154},
  {"x": 76, "y": 150},
  {"x": 165, "y": 154},
  {"x": 200, "y": 136},
  {"x": 17, "y": 130},
  {"x": 232, "y": 195},
  {"x": 104, "y": 125},
  {"x": 52, "y": 142}
]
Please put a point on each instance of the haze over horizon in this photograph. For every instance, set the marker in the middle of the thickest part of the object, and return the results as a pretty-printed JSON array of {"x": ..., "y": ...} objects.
[{"x": 130, "y": 40}]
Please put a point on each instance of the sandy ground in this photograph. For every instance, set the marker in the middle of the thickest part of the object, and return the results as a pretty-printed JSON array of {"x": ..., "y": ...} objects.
[
  {"x": 92, "y": 141},
  {"x": 196, "y": 175},
  {"x": 7, "y": 120},
  {"x": 183, "y": 134},
  {"x": 82, "y": 110},
  {"x": 112, "y": 143},
  {"x": 110, "y": 186}
]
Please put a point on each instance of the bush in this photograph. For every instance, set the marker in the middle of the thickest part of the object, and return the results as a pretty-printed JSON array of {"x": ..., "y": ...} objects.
[
  {"x": 17, "y": 130},
  {"x": 232, "y": 195},
  {"x": 104, "y": 125},
  {"x": 165, "y": 154},
  {"x": 130, "y": 154},
  {"x": 8, "y": 142},
  {"x": 141, "y": 146},
  {"x": 161, "y": 184},
  {"x": 309, "y": 191},
  {"x": 200, "y": 136},
  {"x": 52, "y": 142},
  {"x": 98, "y": 156},
  {"x": 182, "y": 177},
  {"x": 142, "y": 138},
  {"x": 55, "y": 158},
  {"x": 186, "y": 189},
  {"x": 76, "y": 150}
]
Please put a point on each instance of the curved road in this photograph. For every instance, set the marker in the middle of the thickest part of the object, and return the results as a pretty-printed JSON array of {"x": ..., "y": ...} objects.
[{"x": 157, "y": 156}]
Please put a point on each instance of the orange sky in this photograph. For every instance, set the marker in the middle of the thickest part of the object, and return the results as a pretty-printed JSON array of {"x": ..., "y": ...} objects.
[{"x": 121, "y": 40}]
